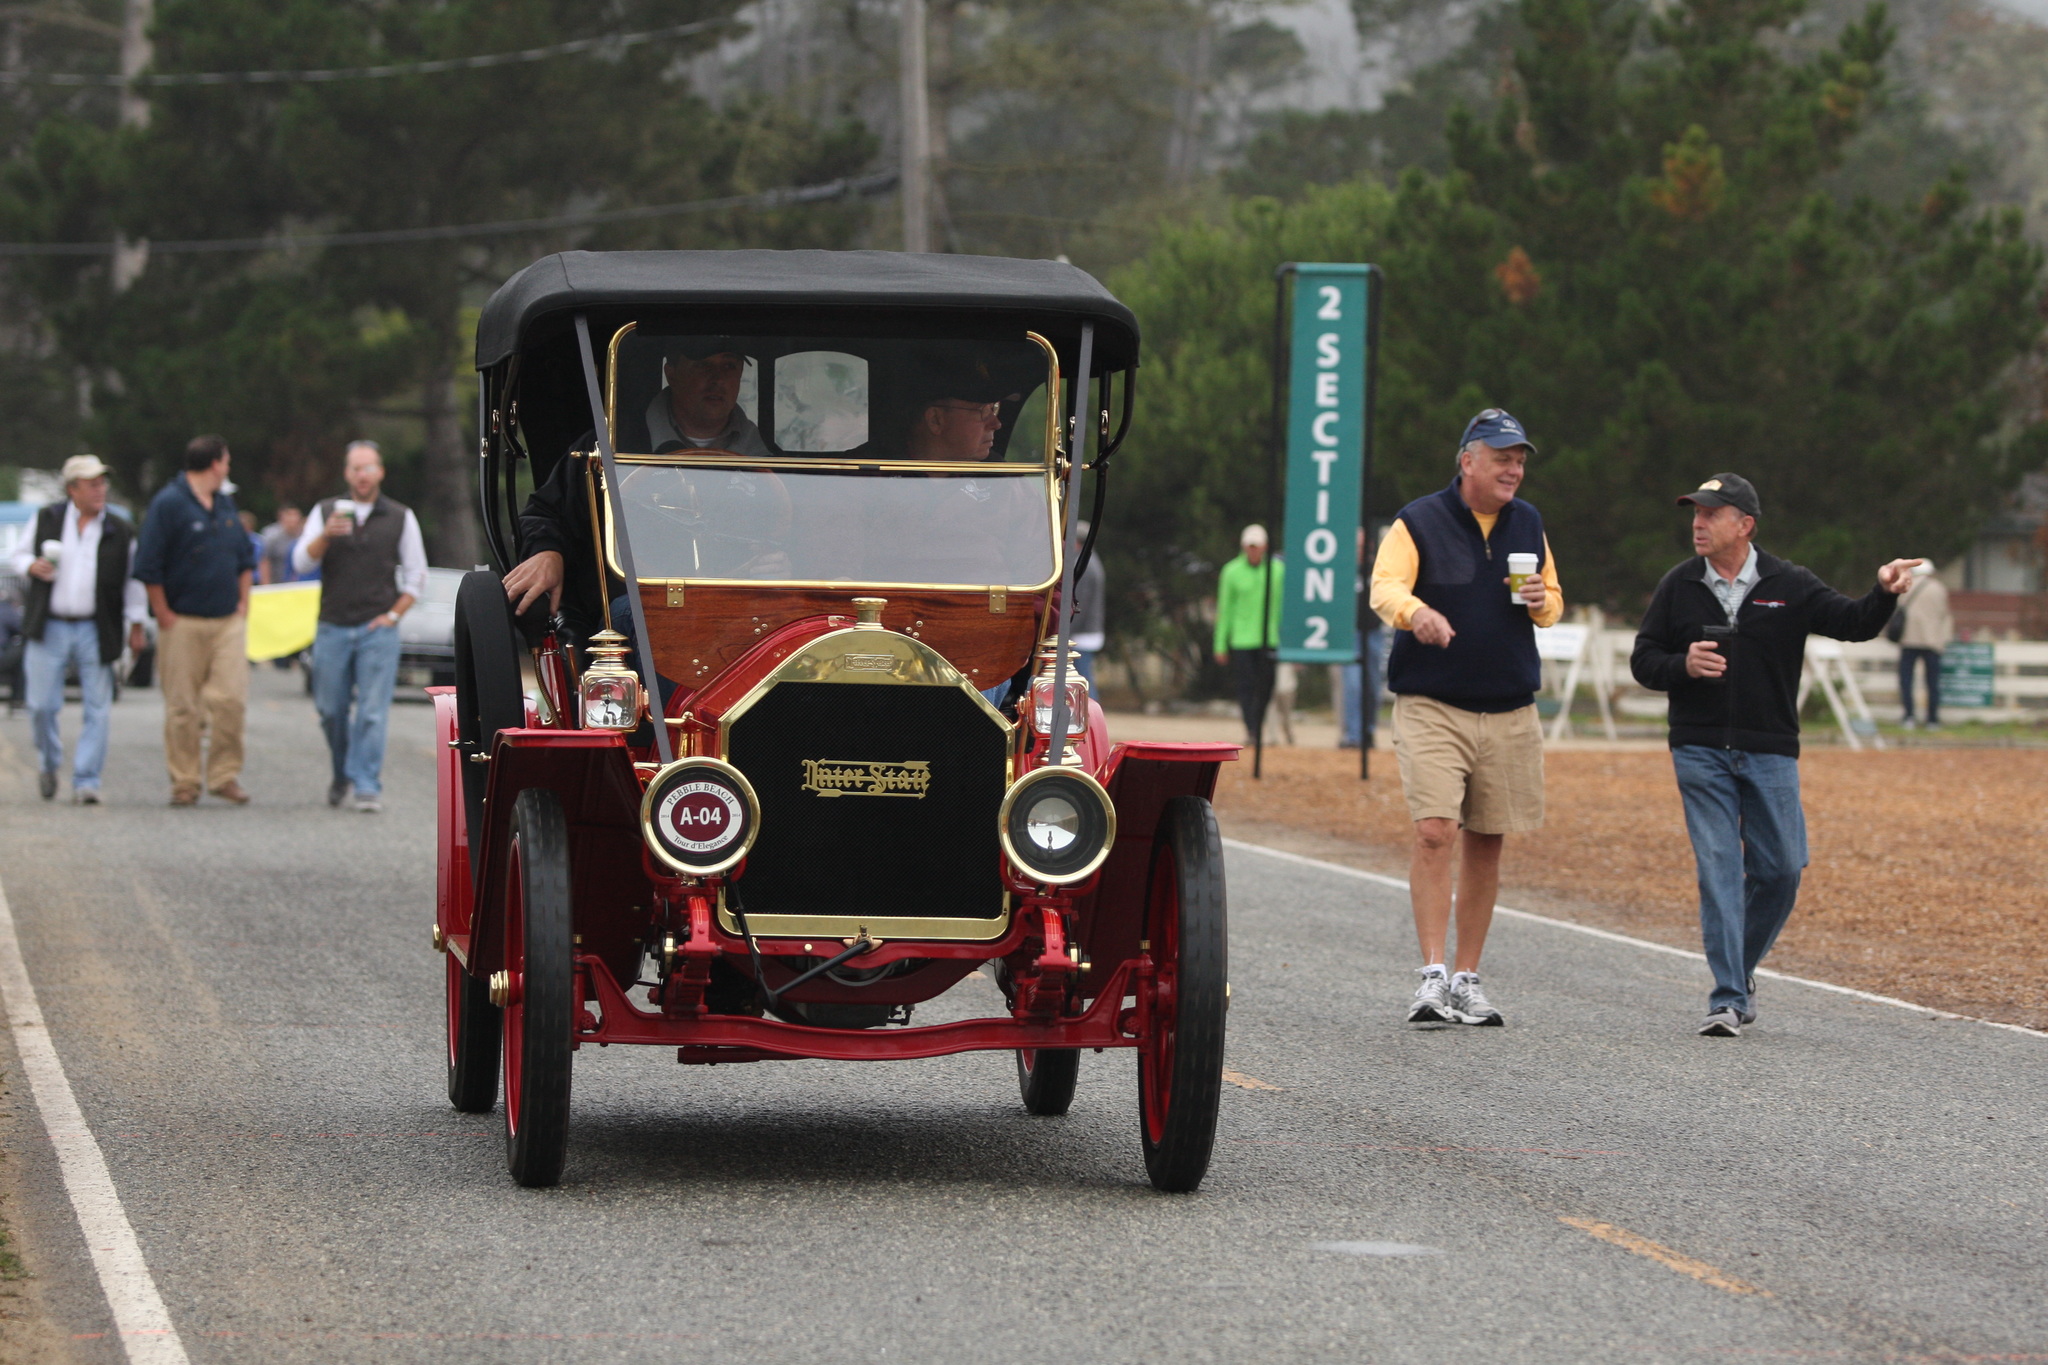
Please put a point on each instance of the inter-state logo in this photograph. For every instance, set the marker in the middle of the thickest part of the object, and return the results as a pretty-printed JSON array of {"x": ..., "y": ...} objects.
[{"x": 863, "y": 777}]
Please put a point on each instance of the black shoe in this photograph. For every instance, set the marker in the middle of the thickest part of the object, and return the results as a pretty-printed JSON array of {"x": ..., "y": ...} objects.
[
  {"x": 1747, "y": 1014},
  {"x": 337, "y": 792},
  {"x": 46, "y": 783}
]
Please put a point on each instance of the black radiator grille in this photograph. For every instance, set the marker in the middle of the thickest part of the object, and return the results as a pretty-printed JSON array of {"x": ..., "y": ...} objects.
[{"x": 934, "y": 855}]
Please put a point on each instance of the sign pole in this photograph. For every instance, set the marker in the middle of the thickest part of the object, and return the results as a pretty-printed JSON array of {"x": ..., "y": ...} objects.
[
  {"x": 1375, "y": 284},
  {"x": 1274, "y": 510}
]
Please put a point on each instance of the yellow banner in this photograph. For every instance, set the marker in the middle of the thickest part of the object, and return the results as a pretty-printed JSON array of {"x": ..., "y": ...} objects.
[{"x": 282, "y": 619}]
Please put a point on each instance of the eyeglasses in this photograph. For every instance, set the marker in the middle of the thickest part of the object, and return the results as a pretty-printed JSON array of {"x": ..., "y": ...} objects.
[{"x": 987, "y": 412}]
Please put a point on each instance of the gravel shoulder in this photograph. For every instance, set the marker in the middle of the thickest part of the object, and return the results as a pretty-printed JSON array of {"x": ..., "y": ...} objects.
[{"x": 1929, "y": 874}]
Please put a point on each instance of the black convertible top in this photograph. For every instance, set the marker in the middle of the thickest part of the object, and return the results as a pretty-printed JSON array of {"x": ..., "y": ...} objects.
[{"x": 538, "y": 305}]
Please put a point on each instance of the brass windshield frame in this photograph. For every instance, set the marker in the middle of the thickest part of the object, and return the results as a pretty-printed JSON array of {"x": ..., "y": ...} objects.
[{"x": 1046, "y": 469}]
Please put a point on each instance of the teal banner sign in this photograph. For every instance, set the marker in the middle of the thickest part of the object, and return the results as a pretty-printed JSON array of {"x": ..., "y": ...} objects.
[{"x": 1329, "y": 414}]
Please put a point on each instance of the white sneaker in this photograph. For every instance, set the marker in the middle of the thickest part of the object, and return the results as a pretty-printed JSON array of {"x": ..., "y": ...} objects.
[
  {"x": 1470, "y": 1003},
  {"x": 365, "y": 804},
  {"x": 1432, "y": 1002}
]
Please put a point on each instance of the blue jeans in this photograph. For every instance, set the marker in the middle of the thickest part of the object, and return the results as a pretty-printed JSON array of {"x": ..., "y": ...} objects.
[
  {"x": 1359, "y": 713},
  {"x": 362, "y": 662},
  {"x": 43, "y": 664},
  {"x": 1749, "y": 842}
]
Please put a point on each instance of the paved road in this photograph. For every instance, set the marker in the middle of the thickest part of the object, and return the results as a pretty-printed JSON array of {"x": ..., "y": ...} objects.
[{"x": 248, "y": 1011}]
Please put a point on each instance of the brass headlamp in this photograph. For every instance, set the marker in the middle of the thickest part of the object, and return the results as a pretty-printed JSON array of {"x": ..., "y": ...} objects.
[
  {"x": 1077, "y": 698},
  {"x": 610, "y": 691}
]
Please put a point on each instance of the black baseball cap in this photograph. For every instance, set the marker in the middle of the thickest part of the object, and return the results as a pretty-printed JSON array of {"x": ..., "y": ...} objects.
[
  {"x": 1726, "y": 490},
  {"x": 1497, "y": 428},
  {"x": 701, "y": 347}
]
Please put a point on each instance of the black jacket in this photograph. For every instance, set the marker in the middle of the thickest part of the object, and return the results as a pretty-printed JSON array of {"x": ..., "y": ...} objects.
[
  {"x": 110, "y": 584},
  {"x": 1751, "y": 706}
]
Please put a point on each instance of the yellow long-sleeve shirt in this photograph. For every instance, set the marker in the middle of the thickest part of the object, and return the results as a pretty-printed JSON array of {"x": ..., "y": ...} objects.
[{"x": 1396, "y": 567}]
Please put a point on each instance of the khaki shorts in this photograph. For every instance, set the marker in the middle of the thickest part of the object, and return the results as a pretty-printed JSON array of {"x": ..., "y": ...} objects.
[{"x": 1484, "y": 770}]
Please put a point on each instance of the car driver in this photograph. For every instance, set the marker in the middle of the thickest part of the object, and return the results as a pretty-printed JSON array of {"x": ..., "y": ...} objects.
[{"x": 697, "y": 408}]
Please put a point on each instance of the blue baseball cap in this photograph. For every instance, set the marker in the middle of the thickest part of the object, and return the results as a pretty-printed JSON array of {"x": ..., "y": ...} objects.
[{"x": 1498, "y": 428}]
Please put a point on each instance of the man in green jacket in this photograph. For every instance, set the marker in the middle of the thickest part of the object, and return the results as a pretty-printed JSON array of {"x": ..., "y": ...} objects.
[{"x": 1247, "y": 629}]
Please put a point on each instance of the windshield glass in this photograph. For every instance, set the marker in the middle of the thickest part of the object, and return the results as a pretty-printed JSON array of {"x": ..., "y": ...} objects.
[
  {"x": 977, "y": 528},
  {"x": 975, "y": 401}
]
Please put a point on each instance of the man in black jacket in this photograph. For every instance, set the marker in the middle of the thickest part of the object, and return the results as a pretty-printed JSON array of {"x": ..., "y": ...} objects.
[
  {"x": 77, "y": 559},
  {"x": 1725, "y": 635}
]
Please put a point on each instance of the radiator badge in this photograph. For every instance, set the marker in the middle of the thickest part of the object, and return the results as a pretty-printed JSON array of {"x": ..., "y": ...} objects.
[
  {"x": 852, "y": 777},
  {"x": 868, "y": 663}
]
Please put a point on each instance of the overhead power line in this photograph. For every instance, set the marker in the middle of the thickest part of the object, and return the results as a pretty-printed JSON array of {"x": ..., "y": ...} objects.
[
  {"x": 607, "y": 42},
  {"x": 846, "y": 187}
]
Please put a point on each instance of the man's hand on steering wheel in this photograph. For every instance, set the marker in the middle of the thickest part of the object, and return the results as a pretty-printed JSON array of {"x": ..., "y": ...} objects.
[{"x": 539, "y": 575}]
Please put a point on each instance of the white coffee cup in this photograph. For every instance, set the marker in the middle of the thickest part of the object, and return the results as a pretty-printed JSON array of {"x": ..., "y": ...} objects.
[
  {"x": 1520, "y": 567},
  {"x": 52, "y": 550}
]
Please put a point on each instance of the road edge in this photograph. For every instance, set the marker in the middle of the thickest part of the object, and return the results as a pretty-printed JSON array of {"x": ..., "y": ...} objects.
[{"x": 144, "y": 1323}]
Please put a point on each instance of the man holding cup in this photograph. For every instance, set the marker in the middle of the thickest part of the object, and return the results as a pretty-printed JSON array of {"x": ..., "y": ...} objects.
[
  {"x": 1725, "y": 635},
  {"x": 1466, "y": 576},
  {"x": 78, "y": 563},
  {"x": 373, "y": 567}
]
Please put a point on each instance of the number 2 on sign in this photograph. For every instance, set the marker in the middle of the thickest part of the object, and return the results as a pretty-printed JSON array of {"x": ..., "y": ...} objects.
[
  {"x": 1318, "y": 633},
  {"x": 1332, "y": 296}
]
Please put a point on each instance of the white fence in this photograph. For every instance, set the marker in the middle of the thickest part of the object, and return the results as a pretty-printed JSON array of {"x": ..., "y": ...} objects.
[{"x": 1593, "y": 657}]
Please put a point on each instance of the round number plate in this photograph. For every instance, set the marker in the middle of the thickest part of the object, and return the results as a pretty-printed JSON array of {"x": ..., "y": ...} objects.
[{"x": 699, "y": 815}]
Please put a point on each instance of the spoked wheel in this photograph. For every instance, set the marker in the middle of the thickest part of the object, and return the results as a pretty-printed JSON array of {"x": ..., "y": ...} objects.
[
  {"x": 1180, "y": 1065},
  {"x": 538, "y": 976},
  {"x": 473, "y": 1030},
  {"x": 1046, "y": 1076}
]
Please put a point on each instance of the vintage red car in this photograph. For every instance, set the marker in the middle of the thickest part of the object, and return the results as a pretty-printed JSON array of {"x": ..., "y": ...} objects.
[{"x": 825, "y": 500}]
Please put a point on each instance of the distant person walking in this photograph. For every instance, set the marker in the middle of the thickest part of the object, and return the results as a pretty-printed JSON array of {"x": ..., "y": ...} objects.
[
  {"x": 274, "y": 565},
  {"x": 1464, "y": 674},
  {"x": 197, "y": 563},
  {"x": 1727, "y": 639},
  {"x": 78, "y": 561},
  {"x": 1248, "y": 624},
  {"x": 1924, "y": 629},
  {"x": 1089, "y": 608},
  {"x": 373, "y": 567}
]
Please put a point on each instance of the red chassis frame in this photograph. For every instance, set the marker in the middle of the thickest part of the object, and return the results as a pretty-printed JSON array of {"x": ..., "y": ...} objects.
[{"x": 615, "y": 884}]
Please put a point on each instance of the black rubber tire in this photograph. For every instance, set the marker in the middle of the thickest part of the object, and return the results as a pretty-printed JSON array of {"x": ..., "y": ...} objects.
[
  {"x": 489, "y": 696},
  {"x": 1180, "y": 1068},
  {"x": 1046, "y": 1078},
  {"x": 538, "y": 1043},
  {"x": 473, "y": 1034}
]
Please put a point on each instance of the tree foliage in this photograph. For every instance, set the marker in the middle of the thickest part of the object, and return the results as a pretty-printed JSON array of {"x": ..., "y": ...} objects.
[
  {"x": 290, "y": 352},
  {"x": 1633, "y": 256}
]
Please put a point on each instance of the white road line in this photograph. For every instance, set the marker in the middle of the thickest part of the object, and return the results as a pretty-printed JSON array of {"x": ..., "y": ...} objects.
[
  {"x": 141, "y": 1319},
  {"x": 1397, "y": 884}
]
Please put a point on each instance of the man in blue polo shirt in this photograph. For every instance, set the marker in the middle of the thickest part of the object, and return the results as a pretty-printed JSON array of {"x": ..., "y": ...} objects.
[
  {"x": 196, "y": 562},
  {"x": 1464, "y": 674}
]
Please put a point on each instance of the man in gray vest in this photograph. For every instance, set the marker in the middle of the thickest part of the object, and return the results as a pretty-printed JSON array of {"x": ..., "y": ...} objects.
[
  {"x": 78, "y": 561},
  {"x": 373, "y": 567}
]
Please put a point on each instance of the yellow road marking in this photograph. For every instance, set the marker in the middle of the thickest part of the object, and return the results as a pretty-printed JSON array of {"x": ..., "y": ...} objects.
[
  {"x": 1244, "y": 1082},
  {"x": 1664, "y": 1256}
]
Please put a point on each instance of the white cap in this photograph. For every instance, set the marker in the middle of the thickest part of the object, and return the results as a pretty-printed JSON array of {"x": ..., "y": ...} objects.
[
  {"x": 81, "y": 467},
  {"x": 1253, "y": 534}
]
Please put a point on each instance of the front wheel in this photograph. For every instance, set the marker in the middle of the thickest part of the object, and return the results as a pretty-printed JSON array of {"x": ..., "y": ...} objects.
[
  {"x": 1180, "y": 1063},
  {"x": 1046, "y": 1077},
  {"x": 539, "y": 974},
  {"x": 472, "y": 1042}
]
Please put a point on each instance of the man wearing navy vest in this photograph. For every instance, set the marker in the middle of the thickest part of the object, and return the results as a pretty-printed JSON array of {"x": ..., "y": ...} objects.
[{"x": 1464, "y": 674}]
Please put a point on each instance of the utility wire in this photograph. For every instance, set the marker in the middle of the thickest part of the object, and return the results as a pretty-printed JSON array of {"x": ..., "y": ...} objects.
[
  {"x": 607, "y": 42},
  {"x": 846, "y": 187}
]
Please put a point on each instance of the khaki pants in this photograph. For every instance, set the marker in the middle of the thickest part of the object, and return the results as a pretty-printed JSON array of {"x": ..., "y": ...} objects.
[
  {"x": 1482, "y": 769},
  {"x": 204, "y": 667}
]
